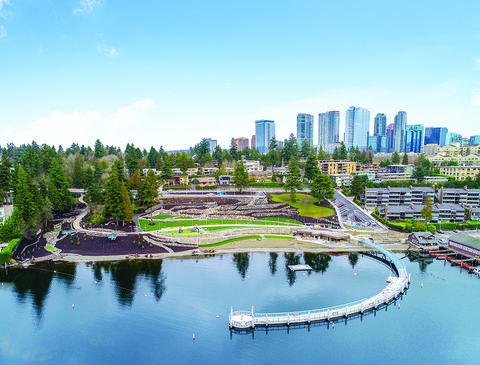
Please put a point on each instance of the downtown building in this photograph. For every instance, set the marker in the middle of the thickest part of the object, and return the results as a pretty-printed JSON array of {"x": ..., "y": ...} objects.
[
  {"x": 436, "y": 135},
  {"x": 264, "y": 132},
  {"x": 453, "y": 137},
  {"x": 212, "y": 144},
  {"x": 399, "y": 129},
  {"x": 357, "y": 122},
  {"x": 414, "y": 138},
  {"x": 305, "y": 128},
  {"x": 378, "y": 142},
  {"x": 328, "y": 130},
  {"x": 242, "y": 143}
]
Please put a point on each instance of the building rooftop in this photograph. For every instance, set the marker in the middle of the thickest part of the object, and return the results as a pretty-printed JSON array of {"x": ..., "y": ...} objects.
[{"x": 466, "y": 240}]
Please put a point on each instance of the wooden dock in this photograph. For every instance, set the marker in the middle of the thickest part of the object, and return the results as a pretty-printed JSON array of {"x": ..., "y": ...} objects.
[
  {"x": 300, "y": 267},
  {"x": 243, "y": 320}
]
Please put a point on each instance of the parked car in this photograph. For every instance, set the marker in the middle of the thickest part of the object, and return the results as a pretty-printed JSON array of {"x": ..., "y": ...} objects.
[
  {"x": 440, "y": 231},
  {"x": 455, "y": 230}
]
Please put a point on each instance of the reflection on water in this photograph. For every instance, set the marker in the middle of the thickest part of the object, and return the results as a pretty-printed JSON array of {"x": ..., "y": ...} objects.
[
  {"x": 241, "y": 260},
  {"x": 318, "y": 262},
  {"x": 272, "y": 262},
  {"x": 291, "y": 259},
  {"x": 353, "y": 258}
]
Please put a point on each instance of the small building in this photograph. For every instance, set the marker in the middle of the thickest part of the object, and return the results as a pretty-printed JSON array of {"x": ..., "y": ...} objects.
[
  {"x": 206, "y": 181},
  {"x": 210, "y": 170},
  {"x": 342, "y": 179},
  {"x": 157, "y": 172},
  {"x": 260, "y": 176},
  {"x": 224, "y": 180},
  {"x": 325, "y": 235},
  {"x": 422, "y": 239},
  {"x": 332, "y": 167},
  {"x": 177, "y": 181},
  {"x": 440, "y": 212},
  {"x": 465, "y": 243}
]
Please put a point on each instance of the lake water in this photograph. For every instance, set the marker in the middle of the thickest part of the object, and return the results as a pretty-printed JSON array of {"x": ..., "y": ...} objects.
[{"x": 147, "y": 312}]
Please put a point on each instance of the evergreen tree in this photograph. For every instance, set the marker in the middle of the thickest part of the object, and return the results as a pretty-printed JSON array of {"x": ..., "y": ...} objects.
[
  {"x": 166, "y": 169},
  {"x": 234, "y": 149},
  {"x": 321, "y": 187},
  {"x": 304, "y": 149},
  {"x": 221, "y": 171},
  {"x": 149, "y": 189},
  {"x": 78, "y": 176},
  {"x": 272, "y": 157},
  {"x": 5, "y": 173},
  {"x": 25, "y": 202},
  {"x": 240, "y": 176},
  {"x": 58, "y": 193},
  {"x": 290, "y": 148},
  {"x": 336, "y": 154},
  {"x": 113, "y": 196},
  {"x": 322, "y": 155},
  {"x": 126, "y": 211},
  {"x": 311, "y": 167},
  {"x": 131, "y": 159},
  {"x": 135, "y": 182},
  {"x": 184, "y": 163},
  {"x": 99, "y": 149},
  {"x": 152, "y": 157},
  {"x": 405, "y": 159},
  {"x": 427, "y": 210},
  {"x": 293, "y": 179},
  {"x": 395, "y": 158},
  {"x": 217, "y": 153},
  {"x": 357, "y": 186},
  {"x": 342, "y": 152}
]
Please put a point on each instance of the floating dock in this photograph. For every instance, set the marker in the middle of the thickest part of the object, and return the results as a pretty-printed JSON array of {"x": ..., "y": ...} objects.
[
  {"x": 244, "y": 320},
  {"x": 300, "y": 267}
]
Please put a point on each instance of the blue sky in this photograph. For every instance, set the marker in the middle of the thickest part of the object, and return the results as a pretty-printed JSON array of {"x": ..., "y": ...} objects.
[{"x": 172, "y": 72}]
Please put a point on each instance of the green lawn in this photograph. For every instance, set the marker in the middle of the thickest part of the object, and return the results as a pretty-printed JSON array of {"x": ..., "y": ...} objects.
[
  {"x": 144, "y": 223},
  {"x": 49, "y": 248},
  {"x": 304, "y": 204},
  {"x": 280, "y": 237},
  {"x": 244, "y": 238},
  {"x": 282, "y": 220}
]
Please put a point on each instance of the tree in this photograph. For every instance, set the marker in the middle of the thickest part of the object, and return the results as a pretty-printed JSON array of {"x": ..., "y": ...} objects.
[
  {"x": 240, "y": 176},
  {"x": 311, "y": 167},
  {"x": 126, "y": 211},
  {"x": 131, "y": 159},
  {"x": 273, "y": 157},
  {"x": 149, "y": 189},
  {"x": 234, "y": 149},
  {"x": 5, "y": 173},
  {"x": 304, "y": 149},
  {"x": 113, "y": 196},
  {"x": 221, "y": 171},
  {"x": 405, "y": 159},
  {"x": 25, "y": 202},
  {"x": 322, "y": 155},
  {"x": 99, "y": 149},
  {"x": 321, "y": 187},
  {"x": 166, "y": 168},
  {"x": 395, "y": 158},
  {"x": 427, "y": 210},
  {"x": 357, "y": 186},
  {"x": 152, "y": 157},
  {"x": 290, "y": 148},
  {"x": 342, "y": 152},
  {"x": 58, "y": 193},
  {"x": 78, "y": 176},
  {"x": 293, "y": 178},
  {"x": 183, "y": 163},
  {"x": 135, "y": 181}
]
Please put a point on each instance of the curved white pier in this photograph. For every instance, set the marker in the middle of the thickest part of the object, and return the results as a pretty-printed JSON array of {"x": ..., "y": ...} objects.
[{"x": 248, "y": 319}]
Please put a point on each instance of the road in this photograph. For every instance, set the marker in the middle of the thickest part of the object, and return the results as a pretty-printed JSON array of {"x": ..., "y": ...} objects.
[{"x": 351, "y": 212}]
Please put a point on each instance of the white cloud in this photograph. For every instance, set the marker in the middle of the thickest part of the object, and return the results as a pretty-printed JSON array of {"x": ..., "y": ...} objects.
[
  {"x": 63, "y": 128},
  {"x": 476, "y": 100},
  {"x": 88, "y": 6},
  {"x": 3, "y": 32},
  {"x": 106, "y": 50}
]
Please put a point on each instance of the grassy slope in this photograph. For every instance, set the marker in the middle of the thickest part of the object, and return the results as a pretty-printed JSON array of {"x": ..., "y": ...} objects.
[
  {"x": 244, "y": 238},
  {"x": 144, "y": 223},
  {"x": 305, "y": 205}
]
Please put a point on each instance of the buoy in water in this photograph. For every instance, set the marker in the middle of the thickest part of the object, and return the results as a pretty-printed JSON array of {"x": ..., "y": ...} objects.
[
  {"x": 217, "y": 316},
  {"x": 194, "y": 337},
  {"x": 333, "y": 325},
  {"x": 398, "y": 305},
  {"x": 421, "y": 285},
  {"x": 73, "y": 306}
]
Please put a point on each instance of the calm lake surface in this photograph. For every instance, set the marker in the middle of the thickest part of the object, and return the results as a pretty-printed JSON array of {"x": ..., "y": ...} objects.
[{"x": 146, "y": 312}]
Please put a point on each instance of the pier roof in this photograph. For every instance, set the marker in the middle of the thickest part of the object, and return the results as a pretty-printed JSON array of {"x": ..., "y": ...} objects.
[{"x": 466, "y": 240}]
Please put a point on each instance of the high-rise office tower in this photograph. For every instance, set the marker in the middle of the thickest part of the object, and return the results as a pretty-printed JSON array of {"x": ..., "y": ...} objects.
[
  {"x": 414, "y": 138},
  {"x": 357, "y": 121},
  {"x": 453, "y": 137},
  {"x": 380, "y": 125},
  {"x": 435, "y": 135},
  {"x": 212, "y": 144},
  {"x": 264, "y": 132},
  {"x": 241, "y": 142},
  {"x": 474, "y": 140},
  {"x": 253, "y": 142},
  {"x": 328, "y": 130},
  {"x": 399, "y": 128},
  {"x": 305, "y": 128},
  {"x": 390, "y": 138}
]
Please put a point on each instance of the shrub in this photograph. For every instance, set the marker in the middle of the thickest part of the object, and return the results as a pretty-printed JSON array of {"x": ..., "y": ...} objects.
[
  {"x": 143, "y": 247},
  {"x": 7, "y": 253},
  {"x": 78, "y": 243},
  {"x": 151, "y": 245},
  {"x": 139, "y": 244},
  {"x": 431, "y": 228}
]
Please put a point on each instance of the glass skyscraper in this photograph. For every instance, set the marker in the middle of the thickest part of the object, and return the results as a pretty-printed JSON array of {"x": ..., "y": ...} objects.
[
  {"x": 305, "y": 128},
  {"x": 212, "y": 144},
  {"x": 435, "y": 135},
  {"x": 474, "y": 140},
  {"x": 399, "y": 129},
  {"x": 357, "y": 122},
  {"x": 380, "y": 125},
  {"x": 390, "y": 138},
  {"x": 414, "y": 138},
  {"x": 264, "y": 132},
  {"x": 328, "y": 130},
  {"x": 453, "y": 137}
]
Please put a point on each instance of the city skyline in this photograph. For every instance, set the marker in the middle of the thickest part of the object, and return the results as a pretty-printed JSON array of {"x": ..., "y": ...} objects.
[{"x": 68, "y": 66}]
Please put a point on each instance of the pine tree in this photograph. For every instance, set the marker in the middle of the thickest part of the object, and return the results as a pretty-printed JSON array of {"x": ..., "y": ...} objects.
[
  {"x": 240, "y": 176},
  {"x": 126, "y": 211},
  {"x": 311, "y": 167},
  {"x": 304, "y": 148},
  {"x": 234, "y": 149},
  {"x": 342, "y": 152},
  {"x": 152, "y": 157},
  {"x": 131, "y": 159},
  {"x": 405, "y": 159},
  {"x": 221, "y": 171},
  {"x": 183, "y": 163},
  {"x": 5, "y": 173},
  {"x": 25, "y": 202},
  {"x": 293, "y": 179},
  {"x": 395, "y": 158},
  {"x": 78, "y": 176},
  {"x": 149, "y": 189},
  {"x": 357, "y": 186},
  {"x": 427, "y": 210},
  {"x": 166, "y": 169},
  {"x": 113, "y": 196},
  {"x": 58, "y": 193},
  {"x": 322, "y": 188},
  {"x": 135, "y": 181},
  {"x": 99, "y": 149}
]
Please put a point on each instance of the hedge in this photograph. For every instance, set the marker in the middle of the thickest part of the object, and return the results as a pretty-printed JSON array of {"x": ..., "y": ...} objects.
[{"x": 7, "y": 253}]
